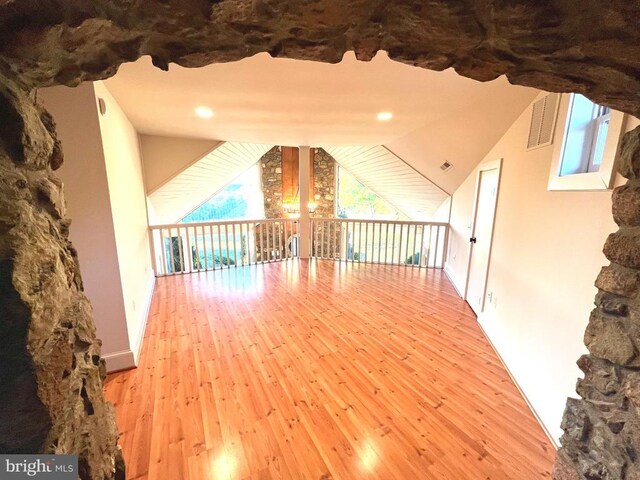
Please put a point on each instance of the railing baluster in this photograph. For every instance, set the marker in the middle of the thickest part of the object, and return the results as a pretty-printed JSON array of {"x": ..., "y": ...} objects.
[
  {"x": 386, "y": 244},
  {"x": 204, "y": 248},
  {"x": 195, "y": 241},
  {"x": 445, "y": 245},
  {"x": 211, "y": 248},
  {"x": 243, "y": 253},
  {"x": 366, "y": 240},
  {"x": 226, "y": 241},
  {"x": 322, "y": 238},
  {"x": 248, "y": 242},
  {"x": 393, "y": 244},
  {"x": 359, "y": 242},
  {"x": 406, "y": 250},
  {"x": 188, "y": 261},
  {"x": 435, "y": 254},
  {"x": 261, "y": 232},
  {"x": 172, "y": 265},
  {"x": 285, "y": 240},
  {"x": 333, "y": 239},
  {"x": 414, "y": 259},
  {"x": 219, "y": 242},
  {"x": 314, "y": 238},
  {"x": 273, "y": 240},
  {"x": 181, "y": 250},
  {"x": 421, "y": 246},
  {"x": 344, "y": 233},
  {"x": 379, "y": 241},
  {"x": 212, "y": 242},
  {"x": 164, "y": 260},
  {"x": 235, "y": 248},
  {"x": 400, "y": 245},
  {"x": 270, "y": 240}
]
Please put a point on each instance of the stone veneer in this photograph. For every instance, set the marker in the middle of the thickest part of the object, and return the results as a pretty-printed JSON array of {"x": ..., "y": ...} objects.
[
  {"x": 324, "y": 184},
  {"x": 325, "y": 197},
  {"x": 271, "y": 172},
  {"x": 50, "y": 389}
]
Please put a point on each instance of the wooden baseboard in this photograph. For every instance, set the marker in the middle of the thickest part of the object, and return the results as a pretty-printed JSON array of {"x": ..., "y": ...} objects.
[{"x": 122, "y": 360}]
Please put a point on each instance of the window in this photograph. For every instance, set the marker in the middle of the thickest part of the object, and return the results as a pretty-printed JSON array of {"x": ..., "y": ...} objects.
[
  {"x": 239, "y": 200},
  {"x": 355, "y": 200},
  {"x": 585, "y": 136},
  {"x": 585, "y": 149}
]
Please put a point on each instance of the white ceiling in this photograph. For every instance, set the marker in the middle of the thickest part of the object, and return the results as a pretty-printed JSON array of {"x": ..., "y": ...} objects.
[
  {"x": 293, "y": 102},
  {"x": 391, "y": 178}
]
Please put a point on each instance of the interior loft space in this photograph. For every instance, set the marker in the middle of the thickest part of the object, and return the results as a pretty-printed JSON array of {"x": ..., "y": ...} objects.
[
  {"x": 249, "y": 168},
  {"x": 325, "y": 240}
]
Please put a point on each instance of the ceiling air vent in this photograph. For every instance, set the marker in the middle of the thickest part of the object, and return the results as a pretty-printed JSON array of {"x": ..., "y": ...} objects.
[
  {"x": 543, "y": 121},
  {"x": 445, "y": 166}
]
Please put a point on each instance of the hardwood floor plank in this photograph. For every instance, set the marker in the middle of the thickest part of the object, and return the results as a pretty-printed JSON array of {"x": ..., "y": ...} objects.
[{"x": 321, "y": 370}]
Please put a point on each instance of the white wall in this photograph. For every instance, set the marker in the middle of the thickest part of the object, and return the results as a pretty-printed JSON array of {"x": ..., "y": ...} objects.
[
  {"x": 89, "y": 207},
  {"x": 545, "y": 258},
  {"x": 104, "y": 189},
  {"x": 165, "y": 157},
  {"x": 128, "y": 207}
]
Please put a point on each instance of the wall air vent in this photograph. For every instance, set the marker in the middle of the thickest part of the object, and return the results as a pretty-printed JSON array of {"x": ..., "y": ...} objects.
[
  {"x": 543, "y": 121},
  {"x": 445, "y": 166}
]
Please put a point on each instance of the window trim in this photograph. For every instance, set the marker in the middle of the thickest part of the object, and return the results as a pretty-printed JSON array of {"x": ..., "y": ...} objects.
[{"x": 604, "y": 177}]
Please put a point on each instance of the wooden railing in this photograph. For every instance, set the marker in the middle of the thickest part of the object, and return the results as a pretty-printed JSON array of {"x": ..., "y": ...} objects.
[
  {"x": 195, "y": 247},
  {"x": 416, "y": 244}
]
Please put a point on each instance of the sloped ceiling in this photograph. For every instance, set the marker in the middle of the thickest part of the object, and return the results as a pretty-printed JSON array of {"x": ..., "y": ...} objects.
[
  {"x": 165, "y": 157},
  {"x": 437, "y": 116},
  {"x": 202, "y": 179},
  {"x": 391, "y": 178}
]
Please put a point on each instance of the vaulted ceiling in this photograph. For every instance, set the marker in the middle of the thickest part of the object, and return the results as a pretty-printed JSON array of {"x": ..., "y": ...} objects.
[{"x": 437, "y": 116}]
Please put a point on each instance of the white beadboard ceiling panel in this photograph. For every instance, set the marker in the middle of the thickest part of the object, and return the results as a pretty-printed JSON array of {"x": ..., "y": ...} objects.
[
  {"x": 198, "y": 182},
  {"x": 391, "y": 178}
]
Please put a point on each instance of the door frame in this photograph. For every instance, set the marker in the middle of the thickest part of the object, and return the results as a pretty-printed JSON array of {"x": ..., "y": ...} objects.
[{"x": 483, "y": 167}]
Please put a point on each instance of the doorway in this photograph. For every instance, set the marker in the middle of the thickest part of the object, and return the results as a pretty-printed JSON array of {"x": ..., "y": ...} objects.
[{"x": 486, "y": 198}]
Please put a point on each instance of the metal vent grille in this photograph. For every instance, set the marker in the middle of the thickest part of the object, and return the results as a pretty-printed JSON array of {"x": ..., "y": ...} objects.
[{"x": 543, "y": 120}]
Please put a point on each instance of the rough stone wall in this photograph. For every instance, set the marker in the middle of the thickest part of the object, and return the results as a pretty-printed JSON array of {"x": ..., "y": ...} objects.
[
  {"x": 51, "y": 372},
  {"x": 551, "y": 45},
  {"x": 324, "y": 184},
  {"x": 602, "y": 429},
  {"x": 271, "y": 171}
]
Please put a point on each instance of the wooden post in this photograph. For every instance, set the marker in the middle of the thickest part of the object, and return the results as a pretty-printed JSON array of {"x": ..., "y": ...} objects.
[{"x": 305, "y": 175}]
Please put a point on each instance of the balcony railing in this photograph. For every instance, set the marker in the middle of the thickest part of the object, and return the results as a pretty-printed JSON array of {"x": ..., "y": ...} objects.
[
  {"x": 196, "y": 247},
  {"x": 415, "y": 244}
]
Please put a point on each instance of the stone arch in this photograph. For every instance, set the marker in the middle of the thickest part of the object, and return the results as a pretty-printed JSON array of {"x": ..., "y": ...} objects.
[{"x": 551, "y": 45}]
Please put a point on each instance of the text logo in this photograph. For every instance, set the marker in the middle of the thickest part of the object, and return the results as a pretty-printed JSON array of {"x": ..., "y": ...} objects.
[{"x": 45, "y": 467}]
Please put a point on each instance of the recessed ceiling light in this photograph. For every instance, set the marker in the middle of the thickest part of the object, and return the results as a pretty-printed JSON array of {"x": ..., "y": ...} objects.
[
  {"x": 204, "y": 112},
  {"x": 385, "y": 116}
]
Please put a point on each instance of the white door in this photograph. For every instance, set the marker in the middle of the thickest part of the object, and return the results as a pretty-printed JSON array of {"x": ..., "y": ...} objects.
[{"x": 481, "y": 234}]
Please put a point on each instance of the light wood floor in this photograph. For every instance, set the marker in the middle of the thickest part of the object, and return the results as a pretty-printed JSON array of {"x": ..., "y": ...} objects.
[{"x": 321, "y": 371}]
